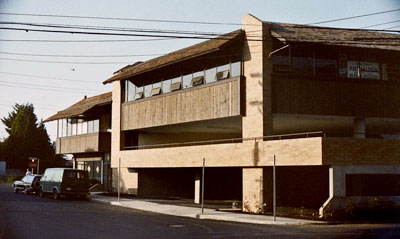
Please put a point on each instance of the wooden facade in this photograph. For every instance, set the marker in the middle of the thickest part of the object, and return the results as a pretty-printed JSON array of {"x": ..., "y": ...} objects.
[
  {"x": 209, "y": 101},
  {"x": 340, "y": 97},
  {"x": 87, "y": 143}
]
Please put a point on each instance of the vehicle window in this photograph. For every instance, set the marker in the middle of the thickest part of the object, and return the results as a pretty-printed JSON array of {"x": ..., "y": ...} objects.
[
  {"x": 74, "y": 174},
  {"x": 29, "y": 179},
  {"x": 24, "y": 179}
]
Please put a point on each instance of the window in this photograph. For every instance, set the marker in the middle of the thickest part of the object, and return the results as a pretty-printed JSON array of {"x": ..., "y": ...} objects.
[
  {"x": 222, "y": 75},
  {"x": 235, "y": 69},
  {"x": 60, "y": 128},
  {"x": 90, "y": 127},
  {"x": 147, "y": 90},
  {"x": 186, "y": 80},
  {"x": 96, "y": 126},
  {"x": 156, "y": 91},
  {"x": 84, "y": 127},
  {"x": 64, "y": 127},
  {"x": 176, "y": 86},
  {"x": 210, "y": 75},
  {"x": 166, "y": 85},
  {"x": 131, "y": 90},
  {"x": 198, "y": 81},
  {"x": 139, "y": 93}
]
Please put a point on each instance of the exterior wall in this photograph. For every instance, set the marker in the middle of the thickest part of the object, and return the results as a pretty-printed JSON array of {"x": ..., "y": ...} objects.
[
  {"x": 253, "y": 181},
  {"x": 306, "y": 151},
  {"x": 116, "y": 123},
  {"x": 253, "y": 70},
  {"x": 210, "y": 101},
  {"x": 353, "y": 151},
  {"x": 78, "y": 144},
  {"x": 129, "y": 182},
  {"x": 349, "y": 97},
  {"x": 95, "y": 142}
]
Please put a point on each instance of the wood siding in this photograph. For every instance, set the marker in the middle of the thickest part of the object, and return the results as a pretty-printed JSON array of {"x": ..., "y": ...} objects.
[
  {"x": 210, "y": 101},
  {"x": 342, "y": 97},
  {"x": 96, "y": 142}
]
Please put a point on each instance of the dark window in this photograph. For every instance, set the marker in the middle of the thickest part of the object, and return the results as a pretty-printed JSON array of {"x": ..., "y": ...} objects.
[{"x": 373, "y": 185}]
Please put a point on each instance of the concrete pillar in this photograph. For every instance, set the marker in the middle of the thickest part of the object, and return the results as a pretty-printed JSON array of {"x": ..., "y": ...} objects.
[
  {"x": 253, "y": 189},
  {"x": 337, "y": 182},
  {"x": 359, "y": 128},
  {"x": 197, "y": 188},
  {"x": 116, "y": 123}
]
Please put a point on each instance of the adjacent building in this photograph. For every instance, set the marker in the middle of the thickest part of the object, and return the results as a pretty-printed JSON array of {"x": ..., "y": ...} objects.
[
  {"x": 323, "y": 101},
  {"x": 84, "y": 131}
]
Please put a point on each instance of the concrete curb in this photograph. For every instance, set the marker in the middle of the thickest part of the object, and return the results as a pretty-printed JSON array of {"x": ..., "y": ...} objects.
[{"x": 220, "y": 216}]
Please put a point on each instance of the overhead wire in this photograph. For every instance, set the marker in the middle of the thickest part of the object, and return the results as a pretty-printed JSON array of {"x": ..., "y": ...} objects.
[
  {"x": 52, "y": 87},
  {"x": 50, "y": 78}
]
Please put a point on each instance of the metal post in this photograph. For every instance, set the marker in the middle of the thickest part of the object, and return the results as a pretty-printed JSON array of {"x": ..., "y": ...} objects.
[
  {"x": 119, "y": 177},
  {"x": 37, "y": 166},
  {"x": 202, "y": 186},
  {"x": 274, "y": 187}
]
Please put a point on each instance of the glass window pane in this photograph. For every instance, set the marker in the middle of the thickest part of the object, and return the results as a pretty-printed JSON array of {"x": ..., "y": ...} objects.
[
  {"x": 69, "y": 127},
  {"x": 80, "y": 127},
  {"x": 90, "y": 126},
  {"x": 235, "y": 69},
  {"x": 138, "y": 90},
  {"x": 166, "y": 86},
  {"x": 131, "y": 91},
  {"x": 187, "y": 79},
  {"x": 210, "y": 75},
  {"x": 147, "y": 90},
  {"x": 84, "y": 127},
  {"x": 177, "y": 79},
  {"x": 197, "y": 74},
  {"x": 64, "y": 127},
  {"x": 96, "y": 126},
  {"x": 60, "y": 131},
  {"x": 223, "y": 68},
  {"x": 74, "y": 128}
]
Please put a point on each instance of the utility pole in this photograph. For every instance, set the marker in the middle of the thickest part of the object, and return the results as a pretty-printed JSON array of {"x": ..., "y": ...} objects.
[
  {"x": 274, "y": 187},
  {"x": 202, "y": 186},
  {"x": 119, "y": 177}
]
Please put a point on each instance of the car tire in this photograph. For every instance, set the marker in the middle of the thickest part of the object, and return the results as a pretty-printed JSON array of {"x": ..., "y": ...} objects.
[
  {"x": 41, "y": 193},
  {"x": 56, "y": 195}
]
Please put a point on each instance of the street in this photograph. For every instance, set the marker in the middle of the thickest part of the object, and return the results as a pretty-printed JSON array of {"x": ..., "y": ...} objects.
[{"x": 29, "y": 216}]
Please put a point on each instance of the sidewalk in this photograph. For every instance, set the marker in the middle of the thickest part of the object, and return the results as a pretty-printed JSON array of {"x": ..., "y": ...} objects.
[{"x": 192, "y": 212}]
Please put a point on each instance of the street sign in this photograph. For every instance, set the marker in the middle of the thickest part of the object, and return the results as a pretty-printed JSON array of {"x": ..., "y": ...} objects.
[{"x": 32, "y": 165}]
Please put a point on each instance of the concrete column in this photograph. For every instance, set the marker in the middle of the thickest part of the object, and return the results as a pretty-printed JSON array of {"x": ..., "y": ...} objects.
[
  {"x": 359, "y": 128},
  {"x": 252, "y": 189},
  {"x": 197, "y": 188},
  {"x": 115, "y": 123},
  {"x": 337, "y": 182}
]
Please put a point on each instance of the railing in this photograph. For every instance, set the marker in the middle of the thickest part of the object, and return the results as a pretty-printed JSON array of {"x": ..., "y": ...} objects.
[{"x": 233, "y": 140}]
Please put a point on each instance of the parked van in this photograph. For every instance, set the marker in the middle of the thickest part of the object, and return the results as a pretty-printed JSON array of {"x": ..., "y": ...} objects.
[{"x": 65, "y": 182}]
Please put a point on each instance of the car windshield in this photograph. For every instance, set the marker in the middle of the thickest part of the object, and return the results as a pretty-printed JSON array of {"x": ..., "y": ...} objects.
[
  {"x": 28, "y": 179},
  {"x": 75, "y": 174}
]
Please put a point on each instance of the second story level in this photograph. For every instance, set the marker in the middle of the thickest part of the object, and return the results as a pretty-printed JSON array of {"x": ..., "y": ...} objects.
[{"x": 85, "y": 126}]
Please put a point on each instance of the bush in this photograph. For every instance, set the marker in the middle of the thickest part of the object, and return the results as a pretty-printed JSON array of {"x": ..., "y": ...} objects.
[{"x": 9, "y": 179}]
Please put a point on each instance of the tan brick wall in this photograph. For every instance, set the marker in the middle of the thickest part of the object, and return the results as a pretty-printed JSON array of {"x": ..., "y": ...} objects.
[
  {"x": 252, "y": 189},
  {"x": 352, "y": 151},
  {"x": 306, "y": 151}
]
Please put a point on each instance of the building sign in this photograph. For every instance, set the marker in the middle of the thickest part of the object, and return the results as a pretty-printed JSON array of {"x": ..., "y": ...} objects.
[{"x": 363, "y": 70}]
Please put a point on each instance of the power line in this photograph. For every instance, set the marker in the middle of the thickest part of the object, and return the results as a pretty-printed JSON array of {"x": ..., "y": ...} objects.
[
  {"x": 50, "y": 78},
  {"x": 103, "y": 28},
  {"x": 353, "y": 17},
  {"x": 380, "y": 24},
  {"x": 120, "y": 19},
  {"x": 26, "y": 87},
  {"x": 84, "y": 41},
  {"x": 65, "y": 62},
  {"x": 51, "y": 87},
  {"x": 55, "y": 55}
]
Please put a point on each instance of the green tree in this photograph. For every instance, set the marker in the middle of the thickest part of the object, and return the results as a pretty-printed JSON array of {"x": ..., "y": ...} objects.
[{"x": 27, "y": 138}]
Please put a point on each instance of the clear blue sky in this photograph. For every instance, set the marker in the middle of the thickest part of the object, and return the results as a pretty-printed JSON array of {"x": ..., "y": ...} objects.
[{"x": 87, "y": 78}]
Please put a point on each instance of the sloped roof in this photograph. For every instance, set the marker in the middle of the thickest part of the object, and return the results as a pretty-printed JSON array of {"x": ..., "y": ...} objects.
[
  {"x": 334, "y": 36},
  {"x": 82, "y": 106},
  {"x": 179, "y": 55}
]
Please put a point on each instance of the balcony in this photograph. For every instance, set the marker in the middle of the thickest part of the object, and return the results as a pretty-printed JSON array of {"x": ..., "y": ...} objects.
[
  {"x": 87, "y": 143},
  {"x": 210, "y": 101}
]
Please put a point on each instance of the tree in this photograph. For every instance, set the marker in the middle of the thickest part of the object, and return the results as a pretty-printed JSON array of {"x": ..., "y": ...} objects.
[{"x": 27, "y": 138}]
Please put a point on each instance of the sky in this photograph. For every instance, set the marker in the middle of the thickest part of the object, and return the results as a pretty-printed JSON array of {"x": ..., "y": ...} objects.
[{"x": 55, "y": 75}]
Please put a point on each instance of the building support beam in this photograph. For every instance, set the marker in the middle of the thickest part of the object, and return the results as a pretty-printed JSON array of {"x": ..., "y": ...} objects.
[{"x": 253, "y": 183}]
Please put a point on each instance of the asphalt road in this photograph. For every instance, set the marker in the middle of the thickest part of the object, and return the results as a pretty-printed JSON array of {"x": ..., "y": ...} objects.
[{"x": 28, "y": 216}]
